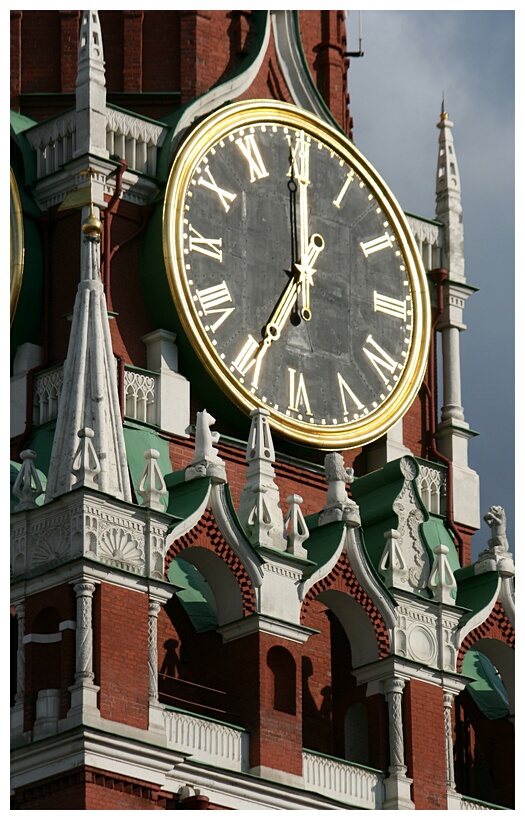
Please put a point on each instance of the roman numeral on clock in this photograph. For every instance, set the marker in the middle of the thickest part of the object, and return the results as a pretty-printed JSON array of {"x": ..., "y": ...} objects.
[
  {"x": 225, "y": 196},
  {"x": 249, "y": 356},
  {"x": 345, "y": 391},
  {"x": 379, "y": 358},
  {"x": 211, "y": 299},
  {"x": 298, "y": 394},
  {"x": 300, "y": 158},
  {"x": 349, "y": 177},
  {"x": 374, "y": 245},
  {"x": 208, "y": 247},
  {"x": 390, "y": 306},
  {"x": 250, "y": 150}
]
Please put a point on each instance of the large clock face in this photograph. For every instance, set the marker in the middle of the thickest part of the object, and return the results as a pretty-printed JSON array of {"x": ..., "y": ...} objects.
[{"x": 295, "y": 275}]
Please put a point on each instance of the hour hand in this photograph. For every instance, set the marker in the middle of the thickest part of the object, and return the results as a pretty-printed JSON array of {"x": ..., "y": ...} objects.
[{"x": 306, "y": 271}]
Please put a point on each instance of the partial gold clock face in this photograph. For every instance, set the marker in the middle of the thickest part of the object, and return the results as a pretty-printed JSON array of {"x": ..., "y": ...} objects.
[
  {"x": 16, "y": 244},
  {"x": 295, "y": 275}
]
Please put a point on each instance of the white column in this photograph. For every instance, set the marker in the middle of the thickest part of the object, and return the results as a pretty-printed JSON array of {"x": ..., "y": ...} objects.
[
  {"x": 397, "y": 784},
  {"x": 153, "y": 655},
  {"x": 156, "y": 710},
  {"x": 452, "y": 407},
  {"x": 84, "y": 692}
]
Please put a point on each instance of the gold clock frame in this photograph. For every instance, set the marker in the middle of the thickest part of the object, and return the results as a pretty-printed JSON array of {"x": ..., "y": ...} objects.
[
  {"x": 200, "y": 140},
  {"x": 16, "y": 244}
]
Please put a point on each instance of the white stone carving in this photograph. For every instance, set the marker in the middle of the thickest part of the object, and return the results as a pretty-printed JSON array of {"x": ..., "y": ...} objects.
[
  {"x": 207, "y": 741},
  {"x": 260, "y": 511},
  {"x": 206, "y": 460},
  {"x": 432, "y": 486},
  {"x": 141, "y": 392},
  {"x": 410, "y": 543},
  {"x": 338, "y": 506},
  {"x": 442, "y": 581},
  {"x": 27, "y": 486},
  {"x": 84, "y": 692},
  {"x": 295, "y": 523},
  {"x": 393, "y": 565},
  {"x": 46, "y": 393},
  {"x": 86, "y": 465},
  {"x": 135, "y": 140},
  {"x": 346, "y": 782},
  {"x": 152, "y": 486},
  {"x": 497, "y": 556},
  {"x": 153, "y": 656},
  {"x": 397, "y": 785},
  {"x": 121, "y": 548},
  {"x": 448, "y": 701}
]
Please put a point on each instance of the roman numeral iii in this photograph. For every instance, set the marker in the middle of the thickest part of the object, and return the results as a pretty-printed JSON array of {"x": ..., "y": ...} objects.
[{"x": 390, "y": 306}]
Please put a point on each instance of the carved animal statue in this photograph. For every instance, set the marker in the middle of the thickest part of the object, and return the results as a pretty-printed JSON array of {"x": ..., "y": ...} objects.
[
  {"x": 497, "y": 521},
  {"x": 337, "y": 476},
  {"x": 205, "y": 438}
]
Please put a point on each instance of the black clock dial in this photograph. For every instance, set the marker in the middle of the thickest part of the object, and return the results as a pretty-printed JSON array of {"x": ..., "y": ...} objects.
[{"x": 295, "y": 276}]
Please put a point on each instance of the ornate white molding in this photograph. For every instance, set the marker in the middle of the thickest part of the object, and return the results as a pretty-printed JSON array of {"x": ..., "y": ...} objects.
[
  {"x": 85, "y": 524},
  {"x": 358, "y": 787},
  {"x": 206, "y": 740}
]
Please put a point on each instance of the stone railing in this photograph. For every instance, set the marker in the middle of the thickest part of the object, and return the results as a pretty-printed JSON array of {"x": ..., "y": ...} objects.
[
  {"x": 207, "y": 740},
  {"x": 140, "y": 391},
  {"x": 468, "y": 804},
  {"x": 46, "y": 392},
  {"x": 129, "y": 137},
  {"x": 428, "y": 239},
  {"x": 346, "y": 782},
  {"x": 432, "y": 486}
]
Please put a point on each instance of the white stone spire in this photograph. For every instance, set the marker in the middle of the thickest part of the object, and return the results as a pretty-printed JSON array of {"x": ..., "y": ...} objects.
[
  {"x": 89, "y": 397},
  {"x": 453, "y": 431},
  {"x": 260, "y": 512},
  {"x": 91, "y": 89},
  {"x": 448, "y": 200}
]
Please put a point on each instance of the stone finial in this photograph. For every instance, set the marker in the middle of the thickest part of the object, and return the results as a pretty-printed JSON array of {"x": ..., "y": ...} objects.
[
  {"x": 338, "y": 507},
  {"x": 152, "y": 485},
  {"x": 296, "y": 527},
  {"x": 86, "y": 465},
  {"x": 27, "y": 486},
  {"x": 91, "y": 89},
  {"x": 441, "y": 580},
  {"x": 497, "y": 556},
  {"x": 393, "y": 565},
  {"x": 206, "y": 460},
  {"x": 259, "y": 510}
]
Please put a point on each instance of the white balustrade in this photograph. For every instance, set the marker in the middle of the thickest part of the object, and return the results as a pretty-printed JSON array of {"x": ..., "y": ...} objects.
[{"x": 354, "y": 785}]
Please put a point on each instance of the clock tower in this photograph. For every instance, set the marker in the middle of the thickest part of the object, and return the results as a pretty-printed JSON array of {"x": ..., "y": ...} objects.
[{"x": 240, "y": 555}]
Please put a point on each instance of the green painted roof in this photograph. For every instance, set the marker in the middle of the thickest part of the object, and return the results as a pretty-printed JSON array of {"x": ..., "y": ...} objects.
[
  {"x": 195, "y": 594},
  {"x": 487, "y": 689}
]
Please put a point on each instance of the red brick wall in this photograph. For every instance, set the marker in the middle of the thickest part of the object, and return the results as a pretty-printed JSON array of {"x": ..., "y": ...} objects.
[
  {"x": 424, "y": 732},
  {"x": 120, "y": 621},
  {"x": 49, "y": 665}
]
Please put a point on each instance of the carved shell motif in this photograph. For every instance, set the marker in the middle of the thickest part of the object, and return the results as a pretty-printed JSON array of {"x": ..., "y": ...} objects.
[{"x": 117, "y": 546}]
